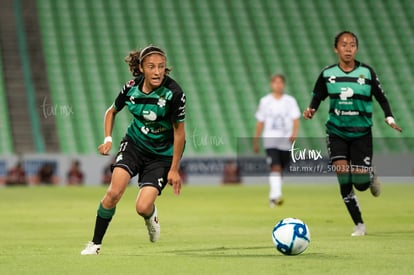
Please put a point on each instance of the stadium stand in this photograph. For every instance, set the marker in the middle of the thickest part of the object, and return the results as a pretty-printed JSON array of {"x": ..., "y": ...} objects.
[
  {"x": 223, "y": 53},
  {"x": 6, "y": 145}
]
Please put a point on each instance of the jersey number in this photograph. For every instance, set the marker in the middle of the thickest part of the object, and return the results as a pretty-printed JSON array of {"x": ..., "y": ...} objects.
[{"x": 123, "y": 146}]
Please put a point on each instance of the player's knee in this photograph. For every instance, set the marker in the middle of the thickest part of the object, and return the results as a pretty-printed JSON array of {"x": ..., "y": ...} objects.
[
  {"x": 361, "y": 181},
  {"x": 144, "y": 209},
  {"x": 113, "y": 196},
  {"x": 362, "y": 187}
]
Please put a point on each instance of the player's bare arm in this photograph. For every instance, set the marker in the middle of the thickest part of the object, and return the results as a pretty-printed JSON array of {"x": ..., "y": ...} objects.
[
  {"x": 295, "y": 130},
  {"x": 379, "y": 95},
  {"x": 109, "y": 119},
  {"x": 257, "y": 134},
  {"x": 173, "y": 177}
]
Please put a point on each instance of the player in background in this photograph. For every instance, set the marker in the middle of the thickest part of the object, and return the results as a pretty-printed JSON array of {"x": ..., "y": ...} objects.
[
  {"x": 350, "y": 86},
  {"x": 278, "y": 123},
  {"x": 152, "y": 146}
]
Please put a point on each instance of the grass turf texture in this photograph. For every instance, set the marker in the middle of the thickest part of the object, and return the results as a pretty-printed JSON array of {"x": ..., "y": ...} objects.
[{"x": 206, "y": 230}]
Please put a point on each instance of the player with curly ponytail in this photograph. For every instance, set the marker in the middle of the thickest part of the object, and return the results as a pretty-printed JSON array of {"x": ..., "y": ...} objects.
[{"x": 153, "y": 145}]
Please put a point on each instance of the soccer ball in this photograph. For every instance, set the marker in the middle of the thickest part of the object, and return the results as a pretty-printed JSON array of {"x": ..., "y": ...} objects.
[{"x": 291, "y": 236}]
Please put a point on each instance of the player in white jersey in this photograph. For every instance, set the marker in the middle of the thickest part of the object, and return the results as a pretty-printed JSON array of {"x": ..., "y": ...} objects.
[{"x": 278, "y": 124}]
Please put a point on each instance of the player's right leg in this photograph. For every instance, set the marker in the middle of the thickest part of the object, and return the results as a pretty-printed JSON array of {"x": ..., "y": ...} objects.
[{"x": 106, "y": 209}]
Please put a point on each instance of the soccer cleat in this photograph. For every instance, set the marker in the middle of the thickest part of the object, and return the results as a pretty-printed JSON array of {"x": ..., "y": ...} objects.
[
  {"x": 375, "y": 186},
  {"x": 359, "y": 231},
  {"x": 276, "y": 202},
  {"x": 91, "y": 249},
  {"x": 153, "y": 226}
]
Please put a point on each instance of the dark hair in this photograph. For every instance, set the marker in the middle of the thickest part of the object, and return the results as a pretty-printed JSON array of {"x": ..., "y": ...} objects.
[
  {"x": 135, "y": 58},
  {"x": 281, "y": 76},
  {"x": 338, "y": 36}
]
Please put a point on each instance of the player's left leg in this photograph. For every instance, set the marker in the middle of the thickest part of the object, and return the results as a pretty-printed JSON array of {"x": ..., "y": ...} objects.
[
  {"x": 363, "y": 176},
  {"x": 145, "y": 207},
  {"x": 275, "y": 177},
  {"x": 153, "y": 179}
]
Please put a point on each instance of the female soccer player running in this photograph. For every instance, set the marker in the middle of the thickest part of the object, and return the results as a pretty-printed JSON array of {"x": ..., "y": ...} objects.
[
  {"x": 350, "y": 86},
  {"x": 152, "y": 146},
  {"x": 278, "y": 123}
]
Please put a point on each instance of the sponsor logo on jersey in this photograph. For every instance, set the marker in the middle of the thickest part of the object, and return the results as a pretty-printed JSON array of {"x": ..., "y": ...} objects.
[
  {"x": 346, "y": 113},
  {"x": 149, "y": 115},
  {"x": 361, "y": 79},
  {"x": 119, "y": 158},
  {"x": 346, "y": 92},
  {"x": 160, "y": 182}
]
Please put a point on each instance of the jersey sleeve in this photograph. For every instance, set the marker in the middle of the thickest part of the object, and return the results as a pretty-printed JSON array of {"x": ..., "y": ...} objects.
[
  {"x": 178, "y": 106},
  {"x": 379, "y": 94},
  {"x": 320, "y": 92},
  {"x": 260, "y": 113},
  {"x": 122, "y": 97}
]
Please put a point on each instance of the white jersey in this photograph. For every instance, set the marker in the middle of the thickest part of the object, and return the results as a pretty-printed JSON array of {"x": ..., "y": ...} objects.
[{"x": 278, "y": 116}]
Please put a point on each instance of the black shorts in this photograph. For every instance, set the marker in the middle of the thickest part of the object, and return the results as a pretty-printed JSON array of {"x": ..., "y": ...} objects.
[
  {"x": 278, "y": 157},
  {"x": 152, "y": 170},
  {"x": 357, "y": 151}
]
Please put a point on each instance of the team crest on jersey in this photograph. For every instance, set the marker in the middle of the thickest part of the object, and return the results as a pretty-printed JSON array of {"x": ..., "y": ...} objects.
[
  {"x": 162, "y": 102},
  {"x": 361, "y": 79}
]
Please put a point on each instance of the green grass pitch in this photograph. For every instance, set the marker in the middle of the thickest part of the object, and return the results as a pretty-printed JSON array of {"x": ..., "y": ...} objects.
[{"x": 206, "y": 230}]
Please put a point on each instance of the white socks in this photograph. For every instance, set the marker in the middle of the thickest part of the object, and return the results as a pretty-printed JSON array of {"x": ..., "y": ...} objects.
[{"x": 275, "y": 181}]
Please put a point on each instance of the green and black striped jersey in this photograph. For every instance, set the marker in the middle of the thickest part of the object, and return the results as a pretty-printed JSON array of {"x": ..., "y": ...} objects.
[
  {"x": 350, "y": 99},
  {"x": 154, "y": 114}
]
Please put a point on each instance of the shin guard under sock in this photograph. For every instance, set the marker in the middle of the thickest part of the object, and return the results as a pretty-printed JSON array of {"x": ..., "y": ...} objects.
[
  {"x": 103, "y": 218},
  {"x": 350, "y": 201}
]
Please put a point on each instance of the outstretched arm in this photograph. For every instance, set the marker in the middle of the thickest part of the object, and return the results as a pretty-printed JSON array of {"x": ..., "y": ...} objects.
[
  {"x": 379, "y": 95},
  {"x": 295, "y": 130},
  {"x": 109, "y": 119},
  {"x": 173, "y": 177},
  {"x": 320, "y": 92},
  {"x": 257, "y": 133}
]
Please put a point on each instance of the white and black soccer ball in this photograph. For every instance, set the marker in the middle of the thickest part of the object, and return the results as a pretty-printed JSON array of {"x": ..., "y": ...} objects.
[{"x": 291, "y": 236}]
